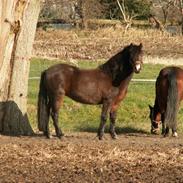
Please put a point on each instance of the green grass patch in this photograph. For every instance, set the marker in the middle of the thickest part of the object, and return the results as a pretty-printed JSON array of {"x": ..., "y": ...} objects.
[{"x": 133, "y": 113}]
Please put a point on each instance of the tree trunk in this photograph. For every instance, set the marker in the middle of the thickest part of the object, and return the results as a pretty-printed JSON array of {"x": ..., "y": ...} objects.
[
  {"x": 182, "y": 25},
  {"x": 181, "y": 9},
  {"x": 18, "y": 20}
]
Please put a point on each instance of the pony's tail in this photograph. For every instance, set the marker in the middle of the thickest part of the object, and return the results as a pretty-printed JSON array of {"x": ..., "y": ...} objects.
[
  {"x": 172, "y": 101},
  {"x": 42, "y": 109}
]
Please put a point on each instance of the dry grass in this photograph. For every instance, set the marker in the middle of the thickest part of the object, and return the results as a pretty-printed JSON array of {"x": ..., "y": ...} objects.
[
  {"x": 103, "y": 43},
  {"x": 163, "y": 60}
]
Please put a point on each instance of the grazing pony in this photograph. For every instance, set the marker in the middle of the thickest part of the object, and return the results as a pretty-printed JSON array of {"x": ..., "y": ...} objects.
[
  {"x": 106, "y": 85},
  {"x": 169, "y": 93}
]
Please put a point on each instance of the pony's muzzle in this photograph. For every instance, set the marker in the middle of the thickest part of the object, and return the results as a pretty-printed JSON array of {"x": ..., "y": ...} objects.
[
  {"x": 137, "y": 68},
  {"x": 154, "y": 130}
]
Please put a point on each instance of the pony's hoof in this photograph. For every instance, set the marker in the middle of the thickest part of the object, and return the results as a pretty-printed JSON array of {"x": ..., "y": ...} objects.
[
  {"x": 154, "y": 131},
  {"x": 166, "y": 135},
  {"x": 175, "y": 134},
  {"x": 114, "y": 136},
  {"x": 48, "y": 136},
  {"x": 100, "y": 136},
  {"x": 60, "y": 136}
]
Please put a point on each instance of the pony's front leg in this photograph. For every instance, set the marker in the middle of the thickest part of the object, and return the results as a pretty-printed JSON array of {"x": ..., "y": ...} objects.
[
  {"x": 102, "y": 126},
  {"x": 105, "y": 110},
  {"x": 47, "y": 131},
  {"x": 112, "y": 131}
]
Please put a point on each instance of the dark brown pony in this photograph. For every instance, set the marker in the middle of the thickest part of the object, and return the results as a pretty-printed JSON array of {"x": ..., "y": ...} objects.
[
  {"x": 169, "y": 93},
  {"x": 106, "y": 85}
]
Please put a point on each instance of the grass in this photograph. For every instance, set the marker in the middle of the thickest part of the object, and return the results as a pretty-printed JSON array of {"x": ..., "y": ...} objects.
[{"x": 133, "y": 114}]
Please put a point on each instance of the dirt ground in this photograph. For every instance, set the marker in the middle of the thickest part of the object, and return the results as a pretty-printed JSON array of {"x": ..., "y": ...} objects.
[{"x": 81, "y": 157}]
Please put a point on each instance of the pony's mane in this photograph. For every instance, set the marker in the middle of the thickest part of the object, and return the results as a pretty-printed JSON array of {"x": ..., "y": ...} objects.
[
  {"x": 116, "y": 64},
  {"x": 108, "y": 66}
]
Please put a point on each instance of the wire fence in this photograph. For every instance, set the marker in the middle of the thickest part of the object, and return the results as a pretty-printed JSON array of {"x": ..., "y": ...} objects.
[
  {"x": 39, "y": 65},
  {"x": 133, "y": 80}
]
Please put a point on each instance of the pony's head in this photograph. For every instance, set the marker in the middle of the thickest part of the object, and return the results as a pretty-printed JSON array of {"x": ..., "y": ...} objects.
[
  {"x": 124, "y": 63},
  {"x": 135, "y": 54},
  {"x": 155, "y": 121}
]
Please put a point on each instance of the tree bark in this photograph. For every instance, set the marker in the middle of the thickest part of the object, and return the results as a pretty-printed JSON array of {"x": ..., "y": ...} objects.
[
  {"x": 181, "y": 10},
  {"x": 18, "y": 19}
]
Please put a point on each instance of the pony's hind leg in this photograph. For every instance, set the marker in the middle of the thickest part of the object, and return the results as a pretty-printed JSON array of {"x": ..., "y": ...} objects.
[
  {"x": 174, "y": 132},
  {"x": 163, "y": 124},
  {"x": 47, "y": 131},
  {"x": 166, "y": 131},
  {"x": 57, "y": 101}
]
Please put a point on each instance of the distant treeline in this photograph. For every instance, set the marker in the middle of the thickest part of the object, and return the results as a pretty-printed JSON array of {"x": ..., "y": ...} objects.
[{"x": 78, "y": 12}]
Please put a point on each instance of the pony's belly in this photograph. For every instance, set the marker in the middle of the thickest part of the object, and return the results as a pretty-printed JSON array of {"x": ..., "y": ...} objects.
[{"x": 85, "y": 99}]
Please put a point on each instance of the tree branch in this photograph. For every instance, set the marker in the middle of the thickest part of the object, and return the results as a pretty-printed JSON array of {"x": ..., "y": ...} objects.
[{"x": 122, "y": 9}]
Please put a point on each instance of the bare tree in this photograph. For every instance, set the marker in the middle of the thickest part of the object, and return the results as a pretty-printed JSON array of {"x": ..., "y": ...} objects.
[
  {"x": 57, "y": 9},
  {"x": 127, "y": 18},
  {"x": 171, "y": 10},
  {"x": 165, "y": 6},
  {"x": 179, "y": 3},
  {"x": 87, "y": 10},
  {"x": 155, "y": 23},
  {"x": 76, "y": 11},
  {"x": 18, "y": 20}
]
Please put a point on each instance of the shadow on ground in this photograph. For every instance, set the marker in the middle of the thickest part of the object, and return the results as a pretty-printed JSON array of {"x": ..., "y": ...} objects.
[{"x": 119, "y": 130}]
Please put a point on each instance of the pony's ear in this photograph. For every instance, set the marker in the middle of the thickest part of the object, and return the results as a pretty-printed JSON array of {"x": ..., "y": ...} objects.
[
  {"x": 131, "y": 44},
  {"x": 150, "y": 107},
  {"x": 140, "y": 45}
]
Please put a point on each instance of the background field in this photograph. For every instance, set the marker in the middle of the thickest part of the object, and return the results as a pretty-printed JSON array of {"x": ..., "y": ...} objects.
[
  {"x": 103, "y": 43},
  {"x": 133, "y": 114}
]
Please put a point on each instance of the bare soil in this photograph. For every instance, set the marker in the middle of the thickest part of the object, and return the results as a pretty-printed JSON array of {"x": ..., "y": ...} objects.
[{"x": 81, "y": 157}]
